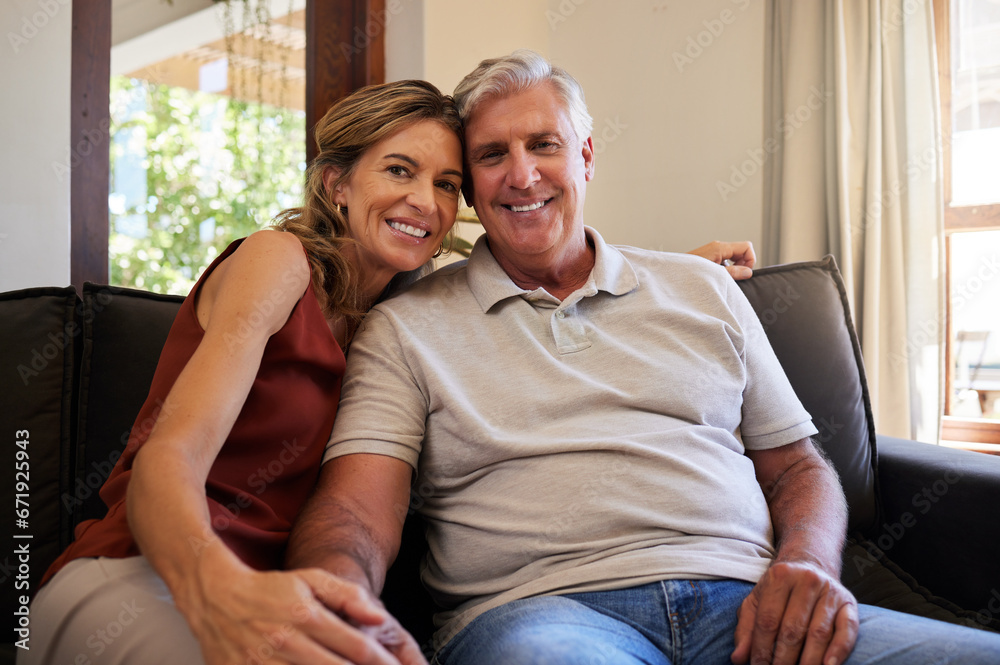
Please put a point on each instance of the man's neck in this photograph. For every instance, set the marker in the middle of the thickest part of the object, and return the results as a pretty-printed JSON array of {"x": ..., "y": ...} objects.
[{"x": 560, "y": 275}]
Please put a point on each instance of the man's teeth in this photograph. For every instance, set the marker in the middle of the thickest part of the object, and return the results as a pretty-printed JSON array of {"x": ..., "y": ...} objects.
[
  {"x": 409, "y": 230},
  {"x": 533, "y": 206}
]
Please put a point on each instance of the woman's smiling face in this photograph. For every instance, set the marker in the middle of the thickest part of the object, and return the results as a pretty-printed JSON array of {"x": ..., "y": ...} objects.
[{"x": 402, "y": 197}]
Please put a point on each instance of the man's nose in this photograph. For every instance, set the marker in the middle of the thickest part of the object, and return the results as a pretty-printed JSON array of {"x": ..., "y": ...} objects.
[{"x": 523, "y": 172}]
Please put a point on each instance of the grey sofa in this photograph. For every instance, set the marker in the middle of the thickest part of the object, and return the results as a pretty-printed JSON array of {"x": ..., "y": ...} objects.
[{"x": 75, "y": 368}]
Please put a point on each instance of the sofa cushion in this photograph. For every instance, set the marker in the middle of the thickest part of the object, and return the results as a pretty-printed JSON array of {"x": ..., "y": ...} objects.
[
  {"x": 37, "y": 362},
  {"x": 123, "y": 333},
  {"x": 875, "y": 579},
  {"x": 804, "y": 310}
]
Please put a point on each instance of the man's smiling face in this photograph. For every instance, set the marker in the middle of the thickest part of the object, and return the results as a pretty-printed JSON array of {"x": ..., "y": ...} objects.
[{"x": 528, "y": 173}]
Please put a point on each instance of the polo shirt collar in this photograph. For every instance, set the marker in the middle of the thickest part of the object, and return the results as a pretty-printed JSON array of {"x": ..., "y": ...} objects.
[{"x": 489, "y": 283}]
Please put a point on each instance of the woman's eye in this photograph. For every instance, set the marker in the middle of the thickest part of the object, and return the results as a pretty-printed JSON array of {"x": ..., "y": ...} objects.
[
  {"x": 448, "y": 186},
  {"x": 397, "y": 170}
]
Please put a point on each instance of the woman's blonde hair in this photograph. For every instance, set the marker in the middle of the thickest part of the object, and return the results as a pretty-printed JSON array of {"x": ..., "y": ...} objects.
[{"x": 352, "y": 126}]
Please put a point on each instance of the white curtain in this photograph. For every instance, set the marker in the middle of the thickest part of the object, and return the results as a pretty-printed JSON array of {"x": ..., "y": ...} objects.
[{"x": 853, "y": 126}]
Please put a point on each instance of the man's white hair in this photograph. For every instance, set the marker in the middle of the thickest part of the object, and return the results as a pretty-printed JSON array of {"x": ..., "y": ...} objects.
[{"x": 497, "y": 78}]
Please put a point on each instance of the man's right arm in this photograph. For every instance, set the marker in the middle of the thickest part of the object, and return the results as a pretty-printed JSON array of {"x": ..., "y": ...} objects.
[{"x": 351, "y": 527}]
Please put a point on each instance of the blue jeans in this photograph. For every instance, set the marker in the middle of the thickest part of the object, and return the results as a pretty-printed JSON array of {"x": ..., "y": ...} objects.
[{"x": 677, "y": 622}]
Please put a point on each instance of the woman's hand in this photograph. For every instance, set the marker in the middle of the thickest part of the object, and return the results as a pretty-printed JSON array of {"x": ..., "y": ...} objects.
[
  {"x": 304, "y": 616},
  {"x": 737, "y": 257}
]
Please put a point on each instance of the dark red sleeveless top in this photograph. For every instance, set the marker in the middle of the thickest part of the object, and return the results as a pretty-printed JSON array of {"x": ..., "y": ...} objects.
[{"x": 271, "y": 459}]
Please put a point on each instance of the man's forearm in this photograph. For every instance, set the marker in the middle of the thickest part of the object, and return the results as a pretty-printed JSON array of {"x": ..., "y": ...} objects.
[
  {"x": 351, "y": 525},
  {"x": 808, "y": 512},
  {"x": 329, "y": 536}
]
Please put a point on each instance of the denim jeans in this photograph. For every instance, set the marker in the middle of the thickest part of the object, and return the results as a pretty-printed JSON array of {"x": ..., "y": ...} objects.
[{"x": 681, "y": 622}]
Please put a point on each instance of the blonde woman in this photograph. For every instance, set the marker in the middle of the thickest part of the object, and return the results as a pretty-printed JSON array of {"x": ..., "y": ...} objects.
[{"x": 182, "y": 568}]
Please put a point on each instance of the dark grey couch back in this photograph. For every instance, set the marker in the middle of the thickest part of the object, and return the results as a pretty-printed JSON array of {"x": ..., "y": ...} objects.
[{"x": 803, "y": 307}]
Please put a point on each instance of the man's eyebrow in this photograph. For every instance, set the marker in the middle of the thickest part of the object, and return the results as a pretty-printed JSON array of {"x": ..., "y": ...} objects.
[
  {"x": 499, "y": 145},
  {"x": 484, "y": 147}
]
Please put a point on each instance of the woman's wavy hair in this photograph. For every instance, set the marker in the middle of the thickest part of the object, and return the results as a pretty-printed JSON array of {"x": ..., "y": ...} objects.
[{"x": 352, "y": 126}]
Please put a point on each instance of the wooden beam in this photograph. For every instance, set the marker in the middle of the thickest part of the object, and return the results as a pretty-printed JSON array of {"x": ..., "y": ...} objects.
[
  {"x": 345, "y": 50},
  {"x": 90, "y": 123}
]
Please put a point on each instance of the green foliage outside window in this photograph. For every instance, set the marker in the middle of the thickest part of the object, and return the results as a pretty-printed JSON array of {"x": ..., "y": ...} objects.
[{"x": 190, "y": 173}]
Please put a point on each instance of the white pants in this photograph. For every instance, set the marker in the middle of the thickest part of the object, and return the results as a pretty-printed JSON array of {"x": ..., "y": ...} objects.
[{"x": 108, "y": 612}]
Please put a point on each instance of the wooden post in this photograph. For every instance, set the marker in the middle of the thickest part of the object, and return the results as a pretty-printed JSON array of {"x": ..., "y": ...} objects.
[
  {"x": 90, "y": 132},
  {"x": 345, "y": 50}
]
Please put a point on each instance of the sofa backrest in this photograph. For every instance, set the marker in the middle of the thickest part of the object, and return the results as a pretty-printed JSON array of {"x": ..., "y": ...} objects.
[
  {"x": 74, "y": 373},
  {"x": 38, "y": 361},
  {"x": 123, "y": 333},
  {"x": 804, "y": 310}
]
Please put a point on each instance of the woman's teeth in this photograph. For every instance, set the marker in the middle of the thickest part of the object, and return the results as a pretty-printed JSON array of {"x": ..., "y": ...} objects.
[{"x": 409, "y": 230}]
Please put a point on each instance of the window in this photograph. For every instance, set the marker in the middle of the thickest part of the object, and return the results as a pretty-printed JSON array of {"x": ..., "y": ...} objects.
[
  {"x": 968, "y": 40},
  {"x": 330, "y": 74},
  {"x": 207, "y": 142}
]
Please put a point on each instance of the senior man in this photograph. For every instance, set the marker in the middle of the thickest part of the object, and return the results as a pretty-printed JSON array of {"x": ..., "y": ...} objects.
[{"x": 612, "y": 465}]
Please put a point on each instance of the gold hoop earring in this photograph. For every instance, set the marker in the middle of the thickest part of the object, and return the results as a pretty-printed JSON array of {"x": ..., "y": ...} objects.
[{"x": 338, "y": 207}]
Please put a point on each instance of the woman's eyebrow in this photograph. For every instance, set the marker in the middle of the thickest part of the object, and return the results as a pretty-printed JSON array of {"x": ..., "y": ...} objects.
[
  {"x": 415, "y": 164},
  {"x": 406, "y": 158}
]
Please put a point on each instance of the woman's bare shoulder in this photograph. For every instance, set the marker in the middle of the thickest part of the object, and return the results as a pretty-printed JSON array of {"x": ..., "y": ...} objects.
[{"x": 267, "y": 266}]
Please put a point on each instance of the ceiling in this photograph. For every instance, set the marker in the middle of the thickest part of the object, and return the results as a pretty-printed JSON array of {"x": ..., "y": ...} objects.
[{"x": 266, "y": 57}]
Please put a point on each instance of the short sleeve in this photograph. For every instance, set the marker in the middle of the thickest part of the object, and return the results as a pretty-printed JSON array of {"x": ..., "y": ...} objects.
[{"x": 382, "y": 409}]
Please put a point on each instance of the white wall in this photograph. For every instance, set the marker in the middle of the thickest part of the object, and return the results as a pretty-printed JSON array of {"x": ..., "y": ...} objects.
[
  {"x": 34, "y": 143},
  {"x": 666, "y": 130}
]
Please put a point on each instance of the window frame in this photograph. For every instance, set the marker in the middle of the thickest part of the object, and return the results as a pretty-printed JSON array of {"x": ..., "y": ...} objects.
[{"x": 957, "y": 218}]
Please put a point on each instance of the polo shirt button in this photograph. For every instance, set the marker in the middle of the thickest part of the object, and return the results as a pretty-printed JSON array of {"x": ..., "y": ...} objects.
[{"x": 560, "y": 315}]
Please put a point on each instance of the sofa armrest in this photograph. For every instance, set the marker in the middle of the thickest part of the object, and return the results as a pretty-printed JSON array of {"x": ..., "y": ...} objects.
[{"x": 936, "y": 522}]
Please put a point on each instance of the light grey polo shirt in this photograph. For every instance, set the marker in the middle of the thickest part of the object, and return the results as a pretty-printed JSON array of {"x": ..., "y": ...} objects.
[{"x": 588, "y": 444}]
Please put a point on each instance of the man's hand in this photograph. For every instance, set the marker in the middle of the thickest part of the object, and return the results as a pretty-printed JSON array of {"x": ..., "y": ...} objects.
[
  {"x": 307, "y": 617},
  {"x": 738, "y": 257},
  {"x": 797, "y": 613}
]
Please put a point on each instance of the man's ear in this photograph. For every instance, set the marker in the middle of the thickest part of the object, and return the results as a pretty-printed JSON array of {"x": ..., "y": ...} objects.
[{"x": 588, "y": 158}]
